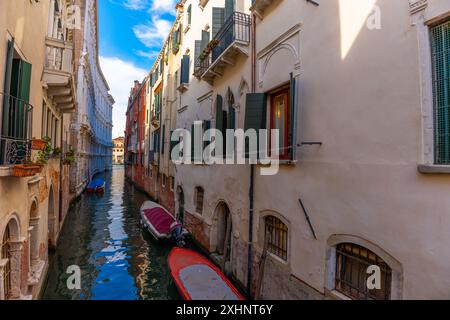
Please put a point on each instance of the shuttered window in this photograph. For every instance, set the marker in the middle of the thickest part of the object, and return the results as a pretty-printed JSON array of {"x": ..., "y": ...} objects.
[
  {"x": 218, "y": 19},
  {"x": 189, "y": 14},
  {"x": 185, "y": 64},
  {"x": 199, "y": 195},
  {"x": 229, "y": 8},
  {"x": 440, "y": 47}
]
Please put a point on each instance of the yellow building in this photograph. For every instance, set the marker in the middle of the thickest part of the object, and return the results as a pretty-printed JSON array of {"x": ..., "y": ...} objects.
[
  {"x": 37, "y": 89},
  {"x": 118, "y": 150}
]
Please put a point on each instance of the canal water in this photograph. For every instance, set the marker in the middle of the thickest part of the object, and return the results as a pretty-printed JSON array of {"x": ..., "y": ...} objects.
[{"x": 117, "y": 258}]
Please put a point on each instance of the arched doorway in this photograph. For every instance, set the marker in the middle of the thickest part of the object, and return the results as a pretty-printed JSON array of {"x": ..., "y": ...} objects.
[
  {"x": 224, "y": 231},
  {"x": 180, "y": 215},
  {"x": 11, "y": 256},
  {"x": 51, "y": 219}
]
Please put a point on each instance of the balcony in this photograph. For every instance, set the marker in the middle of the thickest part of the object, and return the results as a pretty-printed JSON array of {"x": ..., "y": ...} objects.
[
  {"x": 259, "y": 6},
  {"x": 58, "y": 77},
  {"x": 231, "y": 41},
  {"x": 15, "y": 141}
]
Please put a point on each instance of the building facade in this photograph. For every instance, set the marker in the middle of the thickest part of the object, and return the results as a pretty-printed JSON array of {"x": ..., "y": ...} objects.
[
  {"x": 38, "y": 93},
  {"x": 358, "y": 91},
  {"x": 91, "y": 124},
  {"x": 118, "y": 150}
]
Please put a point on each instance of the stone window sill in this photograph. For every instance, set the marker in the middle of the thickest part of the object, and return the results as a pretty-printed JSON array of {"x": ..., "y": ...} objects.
[
  {"x": 336, "y": 295},
  {"x": 434, "y": 169}
]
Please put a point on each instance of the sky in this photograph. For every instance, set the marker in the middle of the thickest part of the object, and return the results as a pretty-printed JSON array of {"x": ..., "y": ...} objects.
[{"x": 131, "y": 33}]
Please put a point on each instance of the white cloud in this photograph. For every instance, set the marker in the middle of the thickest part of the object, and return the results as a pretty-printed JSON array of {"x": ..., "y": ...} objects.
[
  {"x": 120, "y": 76},
  {"x": 136, "y": 4},
  {"x": 154, "y": 33},
  {"x": 167, "y": 6}
]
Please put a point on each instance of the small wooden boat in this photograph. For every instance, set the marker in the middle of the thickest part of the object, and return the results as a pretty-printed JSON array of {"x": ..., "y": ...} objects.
[
  {"x": 96, "y": 186},
  {"x": 197, "y": 278},
  {"x": 161, "y": 224}
]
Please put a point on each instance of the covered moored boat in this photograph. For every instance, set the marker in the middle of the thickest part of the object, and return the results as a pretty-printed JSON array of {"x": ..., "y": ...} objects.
[
  {"x": 161, "y": 224},
  {"x": 96, "y": 186},
  {"x": 197, "y": 278}
]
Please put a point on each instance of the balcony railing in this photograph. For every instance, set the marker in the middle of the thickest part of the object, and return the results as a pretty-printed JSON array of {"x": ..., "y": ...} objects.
[
  {"x": 59, "y": 55},
  {"x": 15, "y": 139},
  {"x": 235, "y": 30}
]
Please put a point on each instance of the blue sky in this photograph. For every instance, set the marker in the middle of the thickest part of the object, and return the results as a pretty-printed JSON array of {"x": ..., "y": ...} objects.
[{"x": 131, "y": 33}]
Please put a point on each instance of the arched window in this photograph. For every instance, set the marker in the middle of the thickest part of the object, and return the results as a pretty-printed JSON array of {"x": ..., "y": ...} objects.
[
  {"x": 352, "y": 265},
  {"x": 199, "y": 194},
  {"x": 276, "y": 236},
  {"x": 7, "y": 268}
]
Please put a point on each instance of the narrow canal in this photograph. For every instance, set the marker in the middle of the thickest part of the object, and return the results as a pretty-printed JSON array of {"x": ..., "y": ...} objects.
[{"x": 118, "y": 260}]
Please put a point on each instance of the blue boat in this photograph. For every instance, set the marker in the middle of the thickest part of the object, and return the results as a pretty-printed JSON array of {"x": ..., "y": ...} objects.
[{"x": 96, "y": 186}]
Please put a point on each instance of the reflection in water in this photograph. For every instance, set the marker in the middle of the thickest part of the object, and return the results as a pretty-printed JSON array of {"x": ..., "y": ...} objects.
[{"x": 102, "y": 235}]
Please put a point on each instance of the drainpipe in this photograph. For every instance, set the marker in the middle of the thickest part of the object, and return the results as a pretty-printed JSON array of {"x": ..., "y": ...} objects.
[
  {"x": 252, "y": 166},
  {"x": 61, "y": 172}
]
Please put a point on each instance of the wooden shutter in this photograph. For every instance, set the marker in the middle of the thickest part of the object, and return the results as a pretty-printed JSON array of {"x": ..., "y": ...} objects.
[
  {"x": 293, "y": 119},
  {"x": 219, "y": 112},
  {"x": 189, "y": 14},
  {"x": 218, "y": 19},
  {"x": 205, "y": 39},
  {"x": 185, "y": 69},
  {"x": 229, "y": 9},
  {"x": 255, "y": 111},
  {"x": 206, "y": 127},
  {"x": 192, "y": 142},
  {"x": 20, "y": 88},
  {"x": 198, "y": 51},
  {"x": 163, "y": 142},
  {"x": 231, "y": 118},
  {"x": 7, "y": 87}
]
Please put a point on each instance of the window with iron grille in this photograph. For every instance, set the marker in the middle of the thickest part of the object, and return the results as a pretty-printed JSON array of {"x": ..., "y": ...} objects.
[
  {"x": 199, "y": 194},
  {"x": 352, "y": 263},
  {"x": 276, "y": 237},
  {"x": 440, "y": 49}
]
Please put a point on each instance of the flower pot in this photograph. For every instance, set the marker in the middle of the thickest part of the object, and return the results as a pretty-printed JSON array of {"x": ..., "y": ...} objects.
[
  {"x": 22, "y": 170},
  {"x": 38, "y": 144}
]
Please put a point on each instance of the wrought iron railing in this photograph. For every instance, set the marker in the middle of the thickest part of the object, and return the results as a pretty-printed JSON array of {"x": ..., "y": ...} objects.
[
  {"x": 236, "y": 28},
  {"x": 16, "y": 125}
]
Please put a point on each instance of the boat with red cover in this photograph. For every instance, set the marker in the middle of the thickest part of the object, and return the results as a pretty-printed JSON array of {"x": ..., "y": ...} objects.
[
  {"x": 161, "y": 224},
  {"x": 197, "y": 278}
]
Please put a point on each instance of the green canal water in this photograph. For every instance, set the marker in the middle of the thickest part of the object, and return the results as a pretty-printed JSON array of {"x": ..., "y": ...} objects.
[{"x": 117, "y": 258}]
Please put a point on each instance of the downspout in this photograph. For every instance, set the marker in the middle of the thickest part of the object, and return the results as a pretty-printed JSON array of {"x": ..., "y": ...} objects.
[
  {"x": 61, "y": 172},
  {"x": 252, "y": 166}
]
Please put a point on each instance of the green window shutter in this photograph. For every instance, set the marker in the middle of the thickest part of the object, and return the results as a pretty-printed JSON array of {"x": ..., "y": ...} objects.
[
  {"x": 20, "y": 88},
  {"x": 293, "y": 118},
  {"x": 163, "y": 142},
  {"x": 255, "y": 111},
  {"x": 206, "y": 127},
  {"x": 185, "y": 69},
  {"x": 197, "y": 52},
  {"x": 232, "y": 118},
  {"x": 205, "y": 39},
  {"x": 7, "y": 87},
  {"x": 189, "y": 14},
  {"x": 172, "y": 143},
  {"x": 229, "y": 8},
  {"x": 440, "y": 45},
  {"x": 219, "y": 112},
  {"x": 218, "y": 19}
]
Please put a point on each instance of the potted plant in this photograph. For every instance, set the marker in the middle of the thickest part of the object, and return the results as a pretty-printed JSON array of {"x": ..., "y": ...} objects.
[
  {"x": 27, "y": 169},
  {"x": 56, "y": 152},
  {"x": 69, "y": 157},
  {"x": 38, "y": 144}
]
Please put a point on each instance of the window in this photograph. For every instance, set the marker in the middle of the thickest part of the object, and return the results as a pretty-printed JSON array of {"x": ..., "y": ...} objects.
[
  {"x": 440, "y": 44},
  {"x": 7, "y": 267},
  {"x": 185, "y": 65},
  {"x": 172, "y": 183},
  {"x": 279, "y": 119},
  {"x": 164, "y": 181},
  {"x": 189, "y": 15},
  {"x": 352, "y": 262},
  {"x": 199, "y": 195},
  {"x": 276, "y": 237}
]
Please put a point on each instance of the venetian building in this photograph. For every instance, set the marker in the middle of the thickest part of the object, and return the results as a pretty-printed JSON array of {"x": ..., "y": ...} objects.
[
  {"x": 91, "y": 134},
  {"x": 118, "y": 150},
  {"x": 37, "y": 92}
]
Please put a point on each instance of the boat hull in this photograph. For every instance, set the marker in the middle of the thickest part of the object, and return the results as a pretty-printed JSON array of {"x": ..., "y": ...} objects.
[{"x": 197, "y": 278}]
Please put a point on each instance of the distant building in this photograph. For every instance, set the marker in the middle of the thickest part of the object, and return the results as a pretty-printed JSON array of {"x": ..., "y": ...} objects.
[{"x": 118, "y": 150}]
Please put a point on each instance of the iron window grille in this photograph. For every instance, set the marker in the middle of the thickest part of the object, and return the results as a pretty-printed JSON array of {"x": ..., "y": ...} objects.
[
  {"x": 352, "y": 263},
  {"x": 199, "y": 195},
  {"x": 277, "y": 237},
  {"x": 440, "y": 48}
]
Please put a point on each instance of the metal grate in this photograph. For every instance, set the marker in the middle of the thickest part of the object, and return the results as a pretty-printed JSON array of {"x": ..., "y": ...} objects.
[
  {"x": 7, "y": 268},
  {"x": 440, "y": 48},
  {"x": 352, "y": 262},
  {"x": 199, "y": 194},
  {"x": 277, "y": 233}
]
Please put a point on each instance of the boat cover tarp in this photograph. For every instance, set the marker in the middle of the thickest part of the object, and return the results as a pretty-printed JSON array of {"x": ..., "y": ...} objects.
[
  {"x": 203, "y": 283},
  {"x": 160, "y": 219},
  {"x": 97, "y": 183}
]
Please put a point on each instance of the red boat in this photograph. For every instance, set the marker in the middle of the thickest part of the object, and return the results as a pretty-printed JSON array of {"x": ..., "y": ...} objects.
[{"x": 197, "y": 278}]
